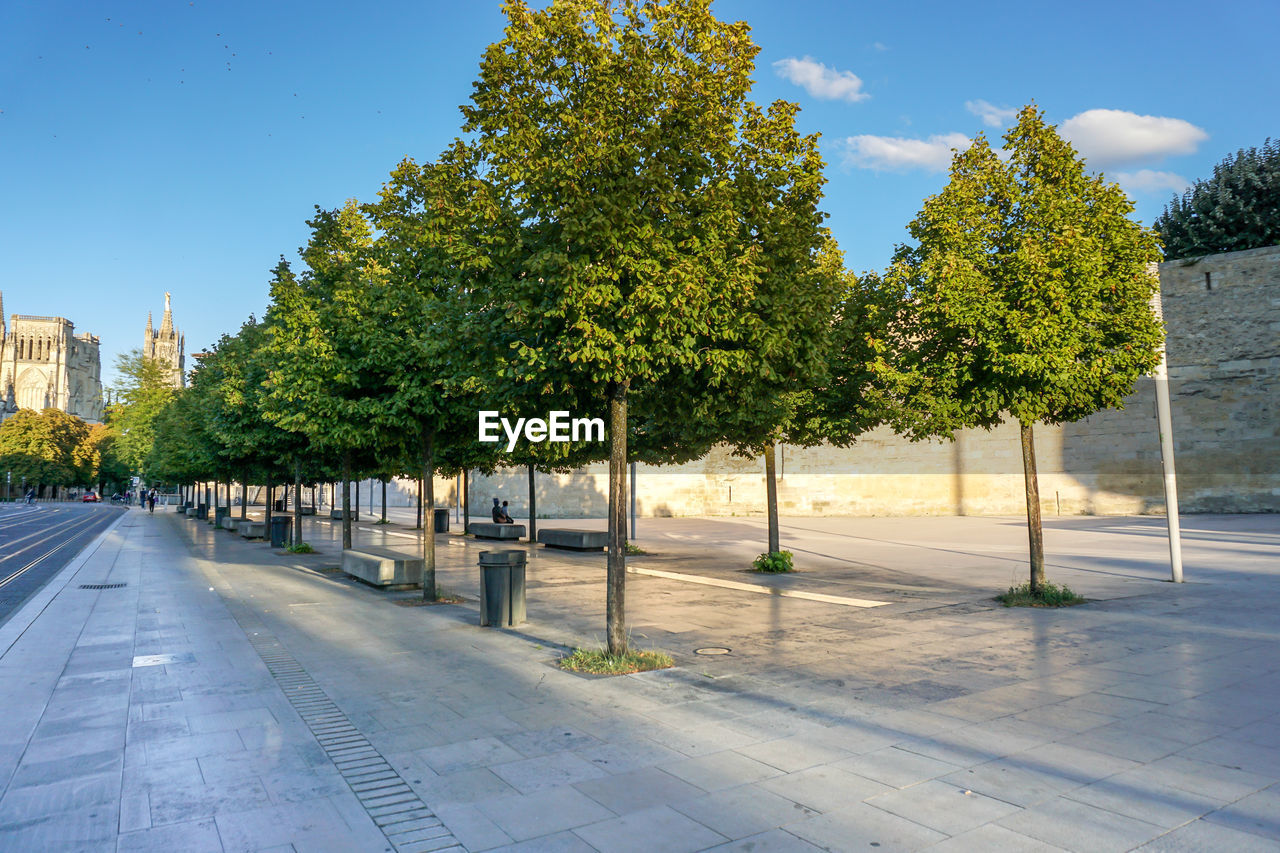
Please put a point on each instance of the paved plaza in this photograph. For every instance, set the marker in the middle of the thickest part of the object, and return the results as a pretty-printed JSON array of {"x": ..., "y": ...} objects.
[{"x": 216, "y": 694}]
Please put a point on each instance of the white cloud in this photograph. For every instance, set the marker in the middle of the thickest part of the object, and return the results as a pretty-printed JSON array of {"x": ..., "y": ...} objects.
[
  {"x": 896, "y": 154},
  {"x": 880, "y": 46},
  {"x": 1149, "y": 181},
  {"x": 1108, "y": 137},
  {"x": 820, "y": 81},
  {"x": 991, "y": 115}
]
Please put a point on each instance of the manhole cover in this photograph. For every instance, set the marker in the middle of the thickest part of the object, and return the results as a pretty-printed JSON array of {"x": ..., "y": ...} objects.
[
  {"x": 712, "y": 650},
  {"x": 101, "y": 585}
]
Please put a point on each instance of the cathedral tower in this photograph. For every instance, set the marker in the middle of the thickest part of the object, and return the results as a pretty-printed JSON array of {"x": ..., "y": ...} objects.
[{"x": 166, "y": 346}]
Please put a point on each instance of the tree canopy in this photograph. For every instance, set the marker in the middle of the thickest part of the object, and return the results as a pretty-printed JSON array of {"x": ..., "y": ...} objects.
[
  {"x": 1027, "y": 294},
  {"x": 1236, "y": 209}
]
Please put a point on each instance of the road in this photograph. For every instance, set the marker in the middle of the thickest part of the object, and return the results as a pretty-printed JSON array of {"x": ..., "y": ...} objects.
[{"x": 38, "y": 540}]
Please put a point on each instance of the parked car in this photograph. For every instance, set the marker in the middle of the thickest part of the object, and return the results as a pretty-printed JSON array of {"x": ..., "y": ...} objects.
[{"x": 90, "y": 498}]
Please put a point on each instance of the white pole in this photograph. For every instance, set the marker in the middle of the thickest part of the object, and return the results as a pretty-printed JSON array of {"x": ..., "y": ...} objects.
[{"x": 1164, "y": 419}]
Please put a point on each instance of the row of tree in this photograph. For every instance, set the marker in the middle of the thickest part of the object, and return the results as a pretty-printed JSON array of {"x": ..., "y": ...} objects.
[
  {"x": 52, "y": 449},
  {"x": 625, "y": 233}
]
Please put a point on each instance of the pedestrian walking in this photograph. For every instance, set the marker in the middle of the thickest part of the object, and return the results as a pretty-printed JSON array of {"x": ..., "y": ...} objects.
[{"x": 151, "y": 501}]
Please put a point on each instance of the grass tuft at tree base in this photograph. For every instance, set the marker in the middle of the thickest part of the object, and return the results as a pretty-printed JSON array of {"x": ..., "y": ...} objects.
[
  {"x": 600, "y": 662},
  {"x": 634, "y": 550},
  {"x": 774, "y": 563},
  {"x": 301, "y": 548},
  {"x": 1049, "y": 595}
]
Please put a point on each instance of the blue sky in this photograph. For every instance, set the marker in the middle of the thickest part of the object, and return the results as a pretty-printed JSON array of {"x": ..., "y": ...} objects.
[{"x": 180, "y": 146}]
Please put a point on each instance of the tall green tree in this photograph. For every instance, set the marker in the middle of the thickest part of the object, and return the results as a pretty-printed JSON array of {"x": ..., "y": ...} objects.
[
  {"x": 49, "y": 448},
  {"x": 324, "y": 345},
  {"x": 442, "y": 237},
  {"x": 621, "y": 134},
  {"x": 1236, "y": 209},
  {"x": 1027, "y": 294},
  {"x": 142, "y": 391}
]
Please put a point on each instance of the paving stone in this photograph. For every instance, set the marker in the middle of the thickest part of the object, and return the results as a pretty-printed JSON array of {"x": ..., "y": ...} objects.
[
  {"x": 659, "y": 828},
  {"x": 193, "y": 837},
  {"x": 726, "y": 769},
  {"x": 773, "y": 841},
  {"x": 824, "y": 789},
  {"x": 546, "y": 771},
  {"x": 895, "y": 767},
  {"x": 1257, "y": 813},
  {"x": 1079, "y": 827},
  {"x": 747, "y": 810},
  {"x": 942, "y": 806},
  {"x": 526, "y": 816},
  {"x": 1201, "y": 835}
]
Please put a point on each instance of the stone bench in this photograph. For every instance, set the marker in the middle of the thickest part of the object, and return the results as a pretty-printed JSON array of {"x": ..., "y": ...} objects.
[
  {"x": 336, "y": 515},
  {"x": 307, "y": 510},
  {"x": 191, "y": 512},
  {"x": 228, "y": 523},
  {"x": 382, "y": 566},
  {"x": 489, "y": 530},
  {"x": 250, "y": 529},
  {"x": 576, "y": 540}
]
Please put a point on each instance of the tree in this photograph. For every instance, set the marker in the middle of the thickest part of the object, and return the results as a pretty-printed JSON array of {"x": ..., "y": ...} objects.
[
  {"x": 1027, "y": 292},
  {"x": 1238, "y": 208},
  {"x": 324, "y": 344},
  {"x": 620, "y": 134},
  {"x": 143, "y": 391},
  {"x": 49, "y": 448},
  {"x": 442, "y": 236}
]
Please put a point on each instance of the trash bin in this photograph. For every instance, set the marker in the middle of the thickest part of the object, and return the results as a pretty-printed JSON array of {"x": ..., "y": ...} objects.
[
  {"x": 220, "y": 513},
  {"x": 202, "y": 511},
  {"x": 280, "y": 530},
  {"x": 279, "y": 505},
  {"x": 502, "y": 588},
  {"x": 442, "y": 521}
]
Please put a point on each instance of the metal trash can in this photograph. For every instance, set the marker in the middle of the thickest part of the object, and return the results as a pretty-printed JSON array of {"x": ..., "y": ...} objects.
[
  {"x": 442, "y": 521},
  {"x": 202, "y": 511},
  {"x": 502, "y": 598},
  {"x": 279, "y": 505},
  {"x": 280, "y": 533},
  {"x": 220, "y": 513}
]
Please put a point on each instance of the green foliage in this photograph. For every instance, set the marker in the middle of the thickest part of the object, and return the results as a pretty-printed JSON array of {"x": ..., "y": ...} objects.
[
  {"x": 601, "y": 662},
  {"x": 1027, "y": 291},
  {"x": 1046, "y": 595},
  {"x": 1238, "y": 208},
  {"x": 774, "y": 562},
  {"x": 143, "y": 391},
  {"x": 49, "y": 448},
  {"x": 300, "y": 548}
]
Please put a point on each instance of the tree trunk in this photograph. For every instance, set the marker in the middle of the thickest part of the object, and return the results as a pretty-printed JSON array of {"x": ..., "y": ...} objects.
[
  {"x": 418, "y": 524},
  {"x": 533, "y": 504},
  {"x": 771, "y": 496},
  {"x": 357, "y": 489},
  {"x": 297, "y": 500},
  {"x": 466, "y": 502},
  {"x": 429, "y": 521},
  {"x": 228, "y": 498},
  {"x": 1035, "y": 533},
  {"x": 615, "y": 600},
  {"x": 384, "y": 500},
  {"x": 268, "y": 506},
  {"x": 244, "y": 494},
  {"x": 346, "y": 501}
]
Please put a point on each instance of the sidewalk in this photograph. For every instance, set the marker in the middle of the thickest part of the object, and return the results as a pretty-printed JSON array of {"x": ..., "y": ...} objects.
[{"x": 232, "y": 698}]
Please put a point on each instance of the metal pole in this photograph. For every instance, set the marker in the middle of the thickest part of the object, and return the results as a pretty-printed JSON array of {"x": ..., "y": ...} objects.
[
  {"x": 1164, "y": 419},
  {"x": 633, "y": 501}
]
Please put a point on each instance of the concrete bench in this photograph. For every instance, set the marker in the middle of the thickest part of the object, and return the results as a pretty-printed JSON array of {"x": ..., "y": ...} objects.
[
  {"x": 250, "y": 529},
  {"x": 489, "y": 530},
  {"x": 307, "y": 510},
  {"x": 576, "y": 540},
  {"x": 191, "y": 512},
  {"x": 382, "y": 566},
  {"x": 228, "y": 523},
  {"x": 336, "y": 515}
]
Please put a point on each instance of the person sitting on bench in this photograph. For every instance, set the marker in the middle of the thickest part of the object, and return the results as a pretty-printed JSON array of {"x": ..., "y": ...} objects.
[{"x": 500, "y": 514}]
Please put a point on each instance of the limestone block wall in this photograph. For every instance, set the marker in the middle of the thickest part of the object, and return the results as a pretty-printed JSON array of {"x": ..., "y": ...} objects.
[
  {"x": 1223, "y": 319},
  {"x": 1222, "y": 314}
]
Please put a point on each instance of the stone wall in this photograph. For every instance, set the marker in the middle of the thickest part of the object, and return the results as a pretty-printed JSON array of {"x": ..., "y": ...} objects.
[{"x": 1224, "y": 363}]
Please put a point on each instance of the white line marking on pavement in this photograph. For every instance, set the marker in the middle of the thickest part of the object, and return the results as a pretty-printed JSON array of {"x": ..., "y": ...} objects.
[{"x": 762, "y": 590}]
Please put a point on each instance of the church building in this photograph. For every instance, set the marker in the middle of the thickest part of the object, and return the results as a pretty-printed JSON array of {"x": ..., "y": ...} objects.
[
  {"x": 166, "y": 346},
  {"x": 44, "y": 364}
]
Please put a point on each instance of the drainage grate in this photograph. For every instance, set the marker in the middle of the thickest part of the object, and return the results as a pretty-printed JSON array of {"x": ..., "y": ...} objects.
[
  {"x": 102, "y": 585},
  {"x": 409, "y": 825}
]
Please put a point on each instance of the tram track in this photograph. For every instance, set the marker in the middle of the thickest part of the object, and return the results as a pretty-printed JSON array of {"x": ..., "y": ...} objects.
[{"x": 39, "y": 558}]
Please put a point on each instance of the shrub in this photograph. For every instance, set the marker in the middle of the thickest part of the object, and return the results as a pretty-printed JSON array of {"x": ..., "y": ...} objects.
[{"x": 774, "y": 562}]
